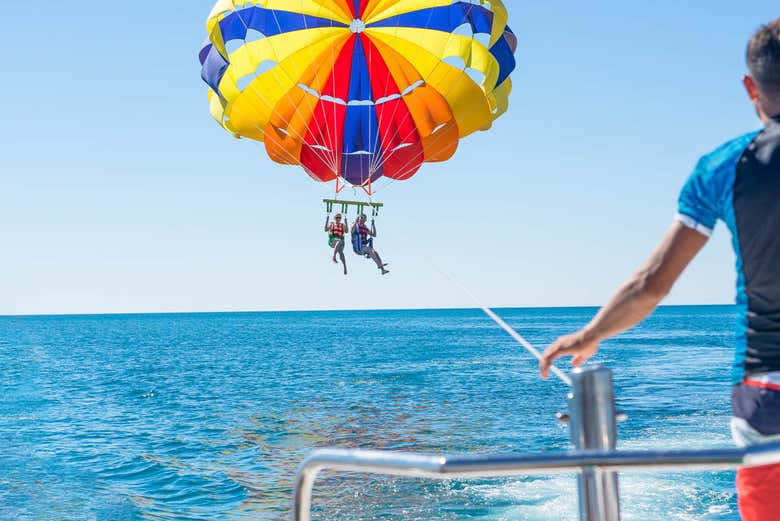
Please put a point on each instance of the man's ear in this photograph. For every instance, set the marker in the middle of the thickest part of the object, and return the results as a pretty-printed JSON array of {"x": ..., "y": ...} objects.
[{"x": 751, "y": 87}]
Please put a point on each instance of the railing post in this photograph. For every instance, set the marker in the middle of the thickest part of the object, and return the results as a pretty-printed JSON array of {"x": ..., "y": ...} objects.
[{"x": 593, "y": 427}]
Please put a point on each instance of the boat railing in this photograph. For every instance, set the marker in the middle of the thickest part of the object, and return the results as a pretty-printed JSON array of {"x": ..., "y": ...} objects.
[{"x": 592, "y": 419}]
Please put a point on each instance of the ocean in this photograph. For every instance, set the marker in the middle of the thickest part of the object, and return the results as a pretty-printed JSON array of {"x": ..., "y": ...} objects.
[{"x": 207, "y": 416}]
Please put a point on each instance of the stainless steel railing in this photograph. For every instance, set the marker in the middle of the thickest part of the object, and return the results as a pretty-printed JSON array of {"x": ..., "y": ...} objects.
[{"x": 593, "y": 428}]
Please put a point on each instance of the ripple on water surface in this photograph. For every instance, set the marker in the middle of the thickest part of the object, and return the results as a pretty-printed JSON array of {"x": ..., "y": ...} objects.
[{"x": 208, "y": 416}]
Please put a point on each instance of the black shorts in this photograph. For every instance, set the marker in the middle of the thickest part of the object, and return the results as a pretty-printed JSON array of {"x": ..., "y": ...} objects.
[{"x": 759, "y": 405}]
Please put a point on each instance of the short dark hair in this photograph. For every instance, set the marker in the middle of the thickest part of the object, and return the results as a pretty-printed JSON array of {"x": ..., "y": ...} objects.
[{"x": 763, "y": 57}]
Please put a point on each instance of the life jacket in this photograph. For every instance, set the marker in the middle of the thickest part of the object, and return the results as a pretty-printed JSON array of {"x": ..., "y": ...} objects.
[
  {"x": 337, "y": 229},
  {"x": 360, "y": 239}
]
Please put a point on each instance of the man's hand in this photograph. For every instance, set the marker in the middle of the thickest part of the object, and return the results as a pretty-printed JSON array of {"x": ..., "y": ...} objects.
[
  {"x": 579, "y": 345},
  {"x": 635, "y": 300}
]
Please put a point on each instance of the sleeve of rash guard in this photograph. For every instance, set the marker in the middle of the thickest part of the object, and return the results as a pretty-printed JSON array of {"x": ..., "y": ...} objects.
[
  {"x": 707, "y": 193},
  {"x": 699, "y": 202}
]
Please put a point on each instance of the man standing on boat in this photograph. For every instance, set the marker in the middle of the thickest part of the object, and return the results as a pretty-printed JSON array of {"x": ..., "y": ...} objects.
[{"x": 739, "y": 183}]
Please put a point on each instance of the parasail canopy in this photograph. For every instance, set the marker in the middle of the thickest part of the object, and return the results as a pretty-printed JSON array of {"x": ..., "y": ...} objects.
[{"x": 354, "y": 90}]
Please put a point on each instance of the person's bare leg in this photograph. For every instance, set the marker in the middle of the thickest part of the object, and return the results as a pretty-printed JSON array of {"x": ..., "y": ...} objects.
[
  {"x": 340, "y": 250},
  {"x": 377, "y": 258},
  {"x": 375, "y": 255}
]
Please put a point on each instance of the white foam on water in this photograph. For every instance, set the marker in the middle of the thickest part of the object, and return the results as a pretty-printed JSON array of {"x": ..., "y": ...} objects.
[
  {"x": 676, "y": 497},
  {"x": 644, "y": 497},
  {"x": 533, "y": 500}
]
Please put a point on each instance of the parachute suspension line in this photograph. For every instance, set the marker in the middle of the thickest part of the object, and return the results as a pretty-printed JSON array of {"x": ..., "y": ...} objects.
[
  {"x": 506, "y": 327},
  {"x": 335, "y": 161},
  {"x": 332, "y": 146},
  {"x": 402, "y": 170},
  {"x": 262, "y": 130},
  {"x": 371, "y": 143},
  {"x": 436, "y": 139},
  {"x": 406, "y": 117},
  {"x": 257, "y": 127},
  {"x": 327, "y": 158},
  {"x": 294, "y": 159},
  {"x": 381, "y": 159}
]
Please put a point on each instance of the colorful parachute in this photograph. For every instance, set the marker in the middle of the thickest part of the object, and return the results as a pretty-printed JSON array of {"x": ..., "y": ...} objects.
[{"x": 354, "y": 90}]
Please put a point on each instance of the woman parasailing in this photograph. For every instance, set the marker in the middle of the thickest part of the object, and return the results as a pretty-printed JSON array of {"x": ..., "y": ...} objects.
[{"x": 336, "y": 231}]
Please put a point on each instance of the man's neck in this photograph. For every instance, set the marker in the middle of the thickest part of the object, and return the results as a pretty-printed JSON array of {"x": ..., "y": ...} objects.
[
  {"x": 770, "y": 111},
  {"x": 768, "y": 107},
  {"x": 765, "y": 118}
]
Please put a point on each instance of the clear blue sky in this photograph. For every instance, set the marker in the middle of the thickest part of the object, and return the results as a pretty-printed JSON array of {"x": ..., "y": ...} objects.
[{"x": 120, "y": 194}]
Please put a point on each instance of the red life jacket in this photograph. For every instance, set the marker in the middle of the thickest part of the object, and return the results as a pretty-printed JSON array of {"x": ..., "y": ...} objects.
[{"x": 337, "y": 229}]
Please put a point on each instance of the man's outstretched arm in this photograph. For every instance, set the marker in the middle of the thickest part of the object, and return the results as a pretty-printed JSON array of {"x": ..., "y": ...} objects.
[{"x": 635, "y": 300}]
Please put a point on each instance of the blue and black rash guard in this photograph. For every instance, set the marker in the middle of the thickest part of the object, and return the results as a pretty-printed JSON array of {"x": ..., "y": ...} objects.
[{"x": 739, "y": 183}]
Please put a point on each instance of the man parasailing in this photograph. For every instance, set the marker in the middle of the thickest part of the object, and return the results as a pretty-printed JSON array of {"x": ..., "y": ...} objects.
[
  {"x": 739, "y": 183},
  {"x": 363, "y": 242}
]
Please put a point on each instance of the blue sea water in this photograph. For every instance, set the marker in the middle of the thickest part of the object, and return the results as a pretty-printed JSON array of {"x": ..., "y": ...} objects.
[{"x": 207, "y": 416}]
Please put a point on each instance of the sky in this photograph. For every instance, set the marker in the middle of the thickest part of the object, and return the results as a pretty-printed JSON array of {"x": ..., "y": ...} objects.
[{"x": 119, "y": 193}]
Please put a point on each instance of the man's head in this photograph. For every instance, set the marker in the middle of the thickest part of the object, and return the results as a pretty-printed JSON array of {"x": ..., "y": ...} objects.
[
  {"x": 763, "y": 61},
  {"x": 362, "y": 218},
  {"x": 337, "y": 216}
]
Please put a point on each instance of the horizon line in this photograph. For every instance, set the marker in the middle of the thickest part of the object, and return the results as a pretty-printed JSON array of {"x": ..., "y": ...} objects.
[{"x": 282, "y": 311}]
